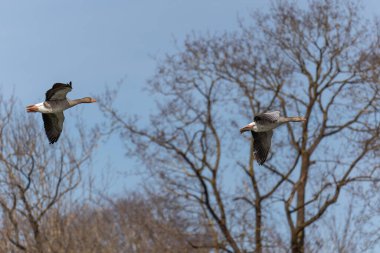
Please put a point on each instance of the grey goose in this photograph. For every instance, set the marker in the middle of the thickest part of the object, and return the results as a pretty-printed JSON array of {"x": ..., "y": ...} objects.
[
  {"x": 52, "y": 109},
  {"x": 262, "y": 131}
]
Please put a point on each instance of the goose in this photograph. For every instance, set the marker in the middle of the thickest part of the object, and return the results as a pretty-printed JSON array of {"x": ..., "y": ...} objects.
[
  {"x": 53, "y": 107},
  {"x": 262, "y": 131}
]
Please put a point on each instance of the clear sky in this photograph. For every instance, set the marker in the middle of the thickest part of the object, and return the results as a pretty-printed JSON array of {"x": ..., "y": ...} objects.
[{"x": 95, "y": 43}]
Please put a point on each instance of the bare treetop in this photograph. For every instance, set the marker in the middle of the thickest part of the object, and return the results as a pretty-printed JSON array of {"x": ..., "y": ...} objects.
[{"x": 318, "y": 62}]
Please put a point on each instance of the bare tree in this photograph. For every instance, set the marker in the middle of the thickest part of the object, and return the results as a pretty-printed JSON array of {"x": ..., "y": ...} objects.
[
  {"x": 34, "y": 176},
  {"x": 331, "y": 50},
  {"x": 320, "y": 62},
  {"x": 136, "y": 224}
]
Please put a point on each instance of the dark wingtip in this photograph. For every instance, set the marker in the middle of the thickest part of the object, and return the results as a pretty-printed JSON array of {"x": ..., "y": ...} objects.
[{"x": 53, "y": 140}]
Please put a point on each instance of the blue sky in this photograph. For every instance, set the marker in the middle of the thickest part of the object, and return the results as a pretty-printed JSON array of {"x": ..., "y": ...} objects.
[{"x": 97, "y": 43}]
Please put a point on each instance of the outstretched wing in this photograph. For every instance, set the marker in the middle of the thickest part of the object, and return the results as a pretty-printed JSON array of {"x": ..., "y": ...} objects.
[
  {"x": 53, "y": 123},
  {"x": 267, "y": 117},
  {"x": 261, "y": 145},
  {"x": 58, "y": 91}
]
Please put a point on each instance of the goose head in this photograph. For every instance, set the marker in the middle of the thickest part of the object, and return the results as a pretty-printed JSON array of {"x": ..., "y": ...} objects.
[{"x": 88, "y": 100}]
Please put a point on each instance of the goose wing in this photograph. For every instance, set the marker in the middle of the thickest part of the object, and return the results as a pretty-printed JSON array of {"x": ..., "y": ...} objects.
[
  {"x": 58, "y": 91},
  {"x": 53, "y": 124},
  {"x": 261, "y": 145},
  {"x": 267, "y": 117}
]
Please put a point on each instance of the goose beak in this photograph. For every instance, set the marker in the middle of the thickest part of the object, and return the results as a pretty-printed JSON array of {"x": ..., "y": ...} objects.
[
  {"x": 247, "y": 127},
  {"x": 93, "y": 100}
]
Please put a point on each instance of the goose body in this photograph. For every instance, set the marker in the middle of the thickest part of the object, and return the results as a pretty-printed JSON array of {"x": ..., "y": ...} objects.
[
  {"x": 262, "y": 130},
  {"x": 52, "y": 109}
]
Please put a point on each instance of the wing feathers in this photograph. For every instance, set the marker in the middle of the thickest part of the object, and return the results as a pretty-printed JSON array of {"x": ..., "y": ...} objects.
[
  {"x": 261, "y": 145},
  {"x": 53, "y": 124},
  {"x": 58, "y": 91}
]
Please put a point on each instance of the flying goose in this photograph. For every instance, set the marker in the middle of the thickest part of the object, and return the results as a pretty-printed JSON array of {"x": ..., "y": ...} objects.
[
  {"x": 262, "y": 131},
  {"x": 53, "y": 107}
]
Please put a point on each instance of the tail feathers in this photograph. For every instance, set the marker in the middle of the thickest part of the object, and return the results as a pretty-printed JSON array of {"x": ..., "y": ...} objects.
[{"x": 32, "y": 108}]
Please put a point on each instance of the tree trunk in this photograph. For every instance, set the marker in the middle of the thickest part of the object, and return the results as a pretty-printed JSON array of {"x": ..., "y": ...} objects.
[
  {"x": 37, "y": 236},
  {"x": 298, "y": 235},
  {"x": 258, "y": 224}
]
